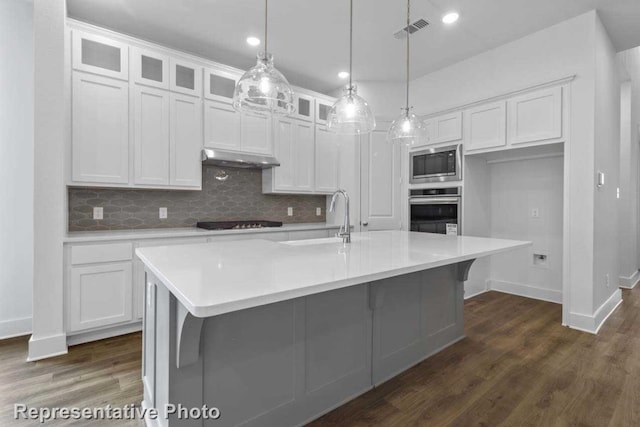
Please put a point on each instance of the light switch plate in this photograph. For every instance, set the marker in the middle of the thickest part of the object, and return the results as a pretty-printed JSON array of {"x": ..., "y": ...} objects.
[
  {"x": 290, "y": 211},
  {"x": 97, "y": 213},
  {"x": 162, "y": 212}
]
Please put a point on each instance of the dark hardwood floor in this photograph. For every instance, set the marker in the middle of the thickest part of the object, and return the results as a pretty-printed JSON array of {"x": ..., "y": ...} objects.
[{"x": 517, "y": 367}]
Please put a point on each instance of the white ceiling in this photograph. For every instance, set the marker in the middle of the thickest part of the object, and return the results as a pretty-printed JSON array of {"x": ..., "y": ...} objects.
[{"x": 309, "y": 38}]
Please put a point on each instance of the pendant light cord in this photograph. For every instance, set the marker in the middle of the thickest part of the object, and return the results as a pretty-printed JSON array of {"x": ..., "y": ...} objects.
[
  {"x": 408, "y": 36},
  {"x": 350, "y": 45},
  {"x": 266, "y": 11}
]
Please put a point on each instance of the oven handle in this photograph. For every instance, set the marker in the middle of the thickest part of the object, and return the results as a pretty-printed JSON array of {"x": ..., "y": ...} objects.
[{"x": 434, "y": 200}]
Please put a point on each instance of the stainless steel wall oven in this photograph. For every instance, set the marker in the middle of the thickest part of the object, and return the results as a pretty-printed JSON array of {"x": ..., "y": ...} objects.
[{"x": 436, "y": 210}]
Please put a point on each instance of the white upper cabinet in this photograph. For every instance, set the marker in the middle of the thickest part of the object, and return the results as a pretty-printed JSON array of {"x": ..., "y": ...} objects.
[
  {"x": 185, "y": 141},
  {"x": 255, "y": 133},
  {"x": 486, "y": 126},
  {"x": 100, "y": 55},
  {"x": 447, "y": 128},
  {"x": 100, "y": 130},
  {"x": 221, "y": 126},
  {"x": 151, "y": 136},
  {"x": 186, "y": 77},
  {"x": 322, "y": 110},
  {"x": 305, "y": 107},
  {"x": 327, "y": 161},
  {"x": 219, "y": 85},
  {"x": 535, "y": 116},
  {"x": 294, "y": 149},
  {"x": 150, "y": 68}
]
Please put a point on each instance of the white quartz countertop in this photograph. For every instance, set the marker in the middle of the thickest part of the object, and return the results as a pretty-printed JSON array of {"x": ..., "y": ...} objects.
[
  {"x": 168, "y": 233},
  {"x": 211, "y": 279}
]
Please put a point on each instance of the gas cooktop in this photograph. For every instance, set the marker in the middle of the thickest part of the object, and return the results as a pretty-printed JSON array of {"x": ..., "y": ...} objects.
[{"x": 237, "y": 225}]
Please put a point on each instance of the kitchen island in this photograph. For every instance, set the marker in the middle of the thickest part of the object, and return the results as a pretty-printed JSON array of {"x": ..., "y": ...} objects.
[{"x": 279, "y": 333}]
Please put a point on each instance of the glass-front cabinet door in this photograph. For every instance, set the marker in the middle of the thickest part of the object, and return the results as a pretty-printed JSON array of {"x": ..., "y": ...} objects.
[
  {"x": 322, "y": 110},
  {"x": 186, "y": 77},
  {"x": 150, "y": 68},
  {"x": 219, "y": 85},
  {"x": 305, "y": 106},
  {"x": 100, "y": 55}
]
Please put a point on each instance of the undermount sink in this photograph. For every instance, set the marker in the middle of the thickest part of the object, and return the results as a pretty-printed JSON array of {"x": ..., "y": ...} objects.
[{"x": 323, "y": 241}]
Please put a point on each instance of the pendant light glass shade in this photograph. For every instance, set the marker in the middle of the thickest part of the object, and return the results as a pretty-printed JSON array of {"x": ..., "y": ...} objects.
[
  {"x": 264, "y": 89},
  {"x": 408, "y": 129},
  {"x": 350, "y": 114}
]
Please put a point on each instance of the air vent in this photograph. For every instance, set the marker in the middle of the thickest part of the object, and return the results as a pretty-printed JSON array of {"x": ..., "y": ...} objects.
[{"x": 418, "y": 25}]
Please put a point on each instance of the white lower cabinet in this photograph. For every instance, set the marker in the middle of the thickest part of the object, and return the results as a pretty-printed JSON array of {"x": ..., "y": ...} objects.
[{"x": 100, "y": 296}]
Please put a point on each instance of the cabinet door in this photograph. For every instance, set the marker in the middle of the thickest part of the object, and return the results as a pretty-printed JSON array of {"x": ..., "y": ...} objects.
[
  {"x": 448, "y": 127},
  {"x": 486, "y": 126},
  {"x": 151, "y": 136},
  {"x": 186, "y": 141},
  {"x": 150, "y": 68},
  {"x": 304, "y": 107},
  {"x": 535, "y": 116},
  {"x": 100, "y": 295},
  {"x": 322, "y": 110},
  {"x": 304, "y": 156},
  {"x": 221, "y": 126},
  {"x": 219, "y": 85},
  {"x": 186, "y": 78},
  {"x": 100, "y": 55},
  {"x": 326, "y": 161},
  {"x": 100, "y": 129},
  {"x": 380, "y": 182},
  {"x": 255, "y": 133},
  {"x": 284, "y": 148}
]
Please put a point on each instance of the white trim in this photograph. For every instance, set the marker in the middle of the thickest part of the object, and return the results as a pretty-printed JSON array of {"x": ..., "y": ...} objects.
[
  {"x": 631, "y": 281},
  {"x": 43, "y": 348},
  {"x": 15, "y": 327},
  {"x": 593, "y": 323},
  {"x": 531, "y": 157},
  {"x": 528, "y": 291},
  {"x": 474, "y": 288},
  {"x": 104, "y": 333}
]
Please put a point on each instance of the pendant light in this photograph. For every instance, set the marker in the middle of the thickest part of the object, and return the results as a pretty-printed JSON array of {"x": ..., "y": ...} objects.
[
  {"x": 350, "y": 114},
  {"x": 408, "y": 128},
  {"x": 263, "y": 88}
]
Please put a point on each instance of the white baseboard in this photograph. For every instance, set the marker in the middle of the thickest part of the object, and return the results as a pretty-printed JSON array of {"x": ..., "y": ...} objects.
[
  {"x": 103, "y": 333},
  {"x": 593, "y": 323},
  {"x": 42, "y": 348},
  {"x": 474, "y": 288},
  {"x": 631, "y": 281},
  {"x": 528, "y": 291},
  {"x": 15, "y": 327}
]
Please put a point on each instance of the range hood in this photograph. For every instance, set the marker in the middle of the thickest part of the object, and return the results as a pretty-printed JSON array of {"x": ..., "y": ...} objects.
[{"x": 231, "y": 159}]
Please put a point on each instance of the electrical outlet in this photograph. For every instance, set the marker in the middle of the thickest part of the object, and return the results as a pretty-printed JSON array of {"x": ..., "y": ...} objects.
[
  {"x": 318, "y": 211},
  {"x": 535, "y": 213},
  {"x": 97, "y": 213},
  {"x": 290, "y": 211},
  {"x": 162, "y": 213}
]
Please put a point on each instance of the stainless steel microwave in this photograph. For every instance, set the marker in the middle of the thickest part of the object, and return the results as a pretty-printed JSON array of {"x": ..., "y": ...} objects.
[{"x": 437, "y": 164}]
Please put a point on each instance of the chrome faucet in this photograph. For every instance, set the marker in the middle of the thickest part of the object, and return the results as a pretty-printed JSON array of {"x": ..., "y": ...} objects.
[{"x": 345, "y": 229}]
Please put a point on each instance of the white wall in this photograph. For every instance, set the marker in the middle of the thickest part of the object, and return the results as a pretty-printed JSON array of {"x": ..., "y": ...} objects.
[
  {"x": 385, "y": 98},
  {"x": 516, "y": 188},
  {"x": 607, "y": 159},
  {"x": 51, "y": 120},
  {"x": 16, "y": 167},
  {"x": 628, "y": 216}
]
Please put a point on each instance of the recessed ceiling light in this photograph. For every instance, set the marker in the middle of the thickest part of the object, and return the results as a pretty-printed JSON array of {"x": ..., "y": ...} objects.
[
  {"x": 253, "y": 41},
  {"x": 450, "y": 17},
  {"x": 343, "y": 74}
]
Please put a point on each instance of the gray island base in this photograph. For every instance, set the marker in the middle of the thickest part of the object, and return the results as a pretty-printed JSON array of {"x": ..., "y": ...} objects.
[{"x": 288, "y": 362}]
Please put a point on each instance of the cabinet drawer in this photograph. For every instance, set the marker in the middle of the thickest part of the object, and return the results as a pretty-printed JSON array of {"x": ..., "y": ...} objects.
[{"x": 110, "y": 252}]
